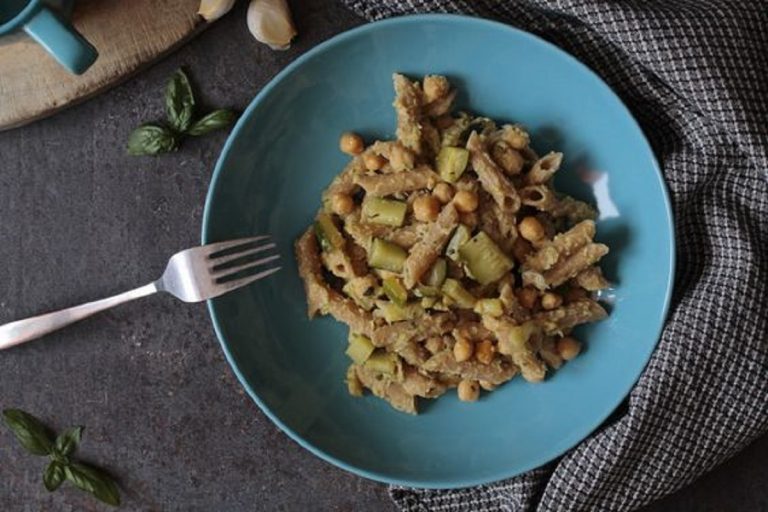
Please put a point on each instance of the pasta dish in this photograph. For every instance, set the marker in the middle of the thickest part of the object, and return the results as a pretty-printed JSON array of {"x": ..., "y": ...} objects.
[{"x": 449, "y": 254}]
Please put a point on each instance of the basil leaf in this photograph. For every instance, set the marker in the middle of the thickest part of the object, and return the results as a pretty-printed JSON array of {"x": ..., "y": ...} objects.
[
  {"x": 68, "y": 440},
  {"x": 179, "y": 101},
  {"x": 94, "y": 481},
  {"x": 151, "y": 139},
  {"x": 35, "y": 437},
  {"x": 53, "y": 476},
  {"x": 210, "y": 122}
]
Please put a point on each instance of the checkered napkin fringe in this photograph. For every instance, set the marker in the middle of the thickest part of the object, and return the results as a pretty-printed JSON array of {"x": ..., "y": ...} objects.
[{"x": 695, "y": 75}]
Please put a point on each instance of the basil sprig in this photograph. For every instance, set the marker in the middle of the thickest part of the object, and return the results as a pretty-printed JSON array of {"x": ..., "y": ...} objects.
[
  {"x": 155, "y": 138},
  {"x": 38, "y": 439}
]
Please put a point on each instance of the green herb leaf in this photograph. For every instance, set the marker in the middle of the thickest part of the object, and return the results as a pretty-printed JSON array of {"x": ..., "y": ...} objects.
[
  {"x": 210, "y": 122},
  {"x": 68, "y": 440},
  {"x": 94, "y": 481},
  {"x": 54, "y": 475},
  {"x": 179, "y": 101},
  {"x": 35, "y": 437},
  {"x": 151, "y": 139}
]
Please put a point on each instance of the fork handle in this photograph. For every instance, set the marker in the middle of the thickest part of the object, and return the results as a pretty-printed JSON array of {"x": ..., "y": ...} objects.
[{"x": 28, "y": 329}]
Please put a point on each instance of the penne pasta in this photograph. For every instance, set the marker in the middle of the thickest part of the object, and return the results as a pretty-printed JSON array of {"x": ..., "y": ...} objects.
[
  {"x": 398, "y": 156},
  {"x": 381, "y": 185},
  {"x": 408, "y": 110},
  {"x": 591, "y": 279},
  {"x": 572, "y": 265},
  {"x": 563, "y": 319},
  {"x": 440, "y": 106},
  {"x": 561, "y": 245},
  {"x": 320, "y": 296},
  {"x": 444, "y": 363},
  {"x": 492, "y": 178},
  {"x": 428, "y": 249},
  {"x": 573, "y": 210},
  {"x": 544, "y": 168},
  {"x": 516, "y": 342},
  {"x": 540, "y": 197},
  {"x": 405, "y": 331}
]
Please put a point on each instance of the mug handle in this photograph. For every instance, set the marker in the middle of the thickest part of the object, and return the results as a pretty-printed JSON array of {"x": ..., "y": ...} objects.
[{"x": 61, "y": 40}]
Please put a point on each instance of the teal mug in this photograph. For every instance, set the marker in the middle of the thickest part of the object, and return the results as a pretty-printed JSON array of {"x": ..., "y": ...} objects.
[{"x": 46, "y": 21}]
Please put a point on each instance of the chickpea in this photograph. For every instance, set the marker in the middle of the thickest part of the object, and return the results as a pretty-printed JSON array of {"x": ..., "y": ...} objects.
[
  {"x": 574, "y": 294},
  {"x": 465, "y": 201},
  {"x": 488, "y": 386},
  {"x": 434, "y": 344},
  {"x": 462, "y": 350},
  {"x": 551, "y": 300},
  {"x": 528, "y": 297},
  {"x": 484, "y": 351},
  {"x": 351, "y": 143},
  {"x": 444, "y": 121},
  {"x": 342, "y": 204},
  {"x": 373, "y": 162},
  {"x": 443, "y": 192},
  {"x": 468, "y": 391},
  {"x": 549, "y": 354},
  {"x": 507, "y": 158},
  {"x": 531, "y": 229},
  {"x": 521, "y": 249},
  {"x": 426, "y": 208},
  {"x": 568, "y": 347},
  {"x": 435, "y": 86}
]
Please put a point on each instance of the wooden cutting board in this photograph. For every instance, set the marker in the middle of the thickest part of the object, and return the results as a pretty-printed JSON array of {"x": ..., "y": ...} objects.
[{"x": 128, "y": 34}]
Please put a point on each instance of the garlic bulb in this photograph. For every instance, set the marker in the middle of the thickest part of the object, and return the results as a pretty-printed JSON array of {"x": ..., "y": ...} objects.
[
  {"x": 212, "y": 10},
  {"x": 270, "y": 22}
]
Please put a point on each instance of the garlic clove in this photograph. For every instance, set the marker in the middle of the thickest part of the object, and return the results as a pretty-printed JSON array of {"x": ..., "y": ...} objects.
[
  {"x": 270, "y": 22},
  {"x": 212, "y": 10}
]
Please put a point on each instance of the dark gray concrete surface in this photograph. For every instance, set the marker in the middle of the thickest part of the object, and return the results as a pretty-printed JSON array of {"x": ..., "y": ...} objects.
[{"x": 79, "y": 219}]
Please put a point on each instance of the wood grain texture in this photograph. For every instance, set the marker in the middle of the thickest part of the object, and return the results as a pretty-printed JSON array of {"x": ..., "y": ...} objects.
[{"x": 127, "y": 34}]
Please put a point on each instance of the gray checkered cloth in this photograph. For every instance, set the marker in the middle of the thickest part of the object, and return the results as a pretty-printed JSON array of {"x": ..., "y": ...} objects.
[{"x": 695, "y": 75}]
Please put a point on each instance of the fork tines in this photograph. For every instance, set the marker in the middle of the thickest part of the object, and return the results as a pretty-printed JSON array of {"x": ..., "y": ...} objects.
[{"x": 232, "y": 262}]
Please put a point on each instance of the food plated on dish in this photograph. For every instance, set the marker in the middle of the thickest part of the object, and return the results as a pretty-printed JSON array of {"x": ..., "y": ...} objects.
[
  {"x": 449, "y": 254},
  {"x": 284, "y": 152}
]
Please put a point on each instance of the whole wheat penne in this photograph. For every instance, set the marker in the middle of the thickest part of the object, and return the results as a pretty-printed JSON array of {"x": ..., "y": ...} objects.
[
  {"x": 428, "y": 249},
  {"x": 544, "y": 168},
  {"x": 521, "y": 350},
  {"x": 320, "y": 296},
  {"x": 491, "y": 177},
  {"x": 592, "y": 279},
  {"x": 561, "y": 245},
  {"x": 562, "y": 319},
  {"x": 408, "y": 109},
  {"x": 540, "y": 197},
  {"x": 569, "y": 266},
  {"x": 380, "y": 185}
]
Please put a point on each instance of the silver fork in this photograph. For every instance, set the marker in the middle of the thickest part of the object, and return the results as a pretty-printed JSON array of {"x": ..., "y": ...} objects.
[{"x": 192, "y": 275}]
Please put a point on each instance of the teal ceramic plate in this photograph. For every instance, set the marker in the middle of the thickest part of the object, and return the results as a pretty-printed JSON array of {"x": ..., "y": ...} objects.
[{"x": 283, "y": 152}]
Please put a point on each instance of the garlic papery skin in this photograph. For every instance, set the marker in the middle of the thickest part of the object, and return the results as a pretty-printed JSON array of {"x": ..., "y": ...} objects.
[
  {"x": 270, "y": 23},
  {"x": 212, "y": 10}
]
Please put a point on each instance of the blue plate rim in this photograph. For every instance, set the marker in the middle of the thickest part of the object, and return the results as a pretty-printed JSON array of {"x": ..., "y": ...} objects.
[{"x": 418, "y": 18}]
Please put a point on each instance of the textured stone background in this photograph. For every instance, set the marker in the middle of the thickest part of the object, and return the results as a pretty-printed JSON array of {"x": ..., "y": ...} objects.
[{"x": 79, "y": 220}]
